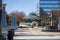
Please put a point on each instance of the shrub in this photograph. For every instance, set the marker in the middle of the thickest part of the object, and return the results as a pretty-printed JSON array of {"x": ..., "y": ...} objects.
[{"x": 41, "y": 26}]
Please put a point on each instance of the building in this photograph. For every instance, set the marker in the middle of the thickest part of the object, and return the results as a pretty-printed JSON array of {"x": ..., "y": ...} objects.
[
  {"x": 55, "y": 17},
  {"x": 0, "y": 10},
  {"x": 0, "y": 3},
  {"x": 46, "y": 7},
  {"x": 0, "y": 13}
]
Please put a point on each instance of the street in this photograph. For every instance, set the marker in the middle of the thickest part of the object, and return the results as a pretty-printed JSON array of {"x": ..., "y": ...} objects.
[{"x": 35, "y": 33}]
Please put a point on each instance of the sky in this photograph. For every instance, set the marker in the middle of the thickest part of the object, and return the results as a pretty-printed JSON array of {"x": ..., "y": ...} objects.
[{"x": 26, "y": 6}]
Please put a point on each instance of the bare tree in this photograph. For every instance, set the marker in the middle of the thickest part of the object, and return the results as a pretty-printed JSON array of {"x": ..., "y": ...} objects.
[
  {"x": 41, "y": 12},
  {"x": 19, "y": 15}
]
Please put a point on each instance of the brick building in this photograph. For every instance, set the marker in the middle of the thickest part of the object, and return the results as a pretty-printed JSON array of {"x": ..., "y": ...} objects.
[{"x": 55, "y": 17}]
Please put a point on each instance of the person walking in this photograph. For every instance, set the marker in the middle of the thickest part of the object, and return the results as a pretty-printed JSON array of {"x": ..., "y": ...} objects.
[{"x": 10, "y": 34}]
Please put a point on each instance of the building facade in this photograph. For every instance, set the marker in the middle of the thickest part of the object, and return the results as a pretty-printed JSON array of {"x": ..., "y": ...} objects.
[
  {"x": 48, "y": 7},
  {"x": 55, "y": 17},
  {"x": 0, "y": 10}
]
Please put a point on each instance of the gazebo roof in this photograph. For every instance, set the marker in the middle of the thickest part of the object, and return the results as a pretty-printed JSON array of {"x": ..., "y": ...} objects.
[{"x": 31, "y": 17}]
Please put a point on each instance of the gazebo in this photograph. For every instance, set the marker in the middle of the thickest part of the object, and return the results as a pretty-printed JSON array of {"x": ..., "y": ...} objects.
[{"x": 31, "y": 18}]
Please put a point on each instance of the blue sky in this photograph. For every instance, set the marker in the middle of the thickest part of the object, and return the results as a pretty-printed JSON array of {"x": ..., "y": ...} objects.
[{"x": 26, "y": 6}]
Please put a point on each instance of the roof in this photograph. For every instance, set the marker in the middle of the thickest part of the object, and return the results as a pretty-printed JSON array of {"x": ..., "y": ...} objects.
[{"x": 31, "y": 17}]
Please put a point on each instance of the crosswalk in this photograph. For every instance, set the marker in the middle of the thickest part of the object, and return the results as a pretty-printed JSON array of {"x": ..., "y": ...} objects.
[{"x": 36, "y": 37}]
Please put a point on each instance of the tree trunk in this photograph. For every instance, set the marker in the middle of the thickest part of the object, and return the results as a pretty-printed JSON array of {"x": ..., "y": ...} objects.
[{"x": 39, "y": 22}]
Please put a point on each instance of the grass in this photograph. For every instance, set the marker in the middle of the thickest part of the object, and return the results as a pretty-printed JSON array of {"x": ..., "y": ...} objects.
[{"x": 31, "y": 26}]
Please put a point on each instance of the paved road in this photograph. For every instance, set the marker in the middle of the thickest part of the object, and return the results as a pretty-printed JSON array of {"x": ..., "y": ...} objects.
[
  {"x": 22, "y": 33},
  {"x": 33, "y": 31},
  {"x": 38, "y": 39}
]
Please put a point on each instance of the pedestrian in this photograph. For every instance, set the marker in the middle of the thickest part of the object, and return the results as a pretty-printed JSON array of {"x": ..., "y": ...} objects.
[{"x": 10, "y": 34}]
